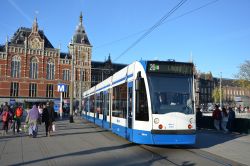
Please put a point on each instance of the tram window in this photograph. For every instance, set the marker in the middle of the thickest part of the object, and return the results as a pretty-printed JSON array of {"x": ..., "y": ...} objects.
[
  {"x": 98, "y": 104},
  {"x": 130, "y": 98},
  {"x": 119, "y": 106},
  {"x": 86, "y": 104},
  {"x": 130, "y": 92},
  {"x": 101, "y": 103},
  {"x": 106, "y": 104},
  {"x": 142, "y": 103},
  {"x": 92, "y": 103}
]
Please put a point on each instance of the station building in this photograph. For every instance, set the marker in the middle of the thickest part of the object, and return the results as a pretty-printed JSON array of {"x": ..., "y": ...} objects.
[{"x": 31, "y": 67}]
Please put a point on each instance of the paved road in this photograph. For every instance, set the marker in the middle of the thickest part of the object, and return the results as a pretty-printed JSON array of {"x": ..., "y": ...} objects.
[{"x": 83, "y": 143}]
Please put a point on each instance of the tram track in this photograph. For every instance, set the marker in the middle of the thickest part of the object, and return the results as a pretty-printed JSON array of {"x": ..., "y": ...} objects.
[
  {"x": 158, "y": 155},
  {"x": 200, "y": 155}
]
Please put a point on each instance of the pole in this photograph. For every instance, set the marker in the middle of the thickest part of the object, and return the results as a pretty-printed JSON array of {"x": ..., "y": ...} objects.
[
  {"x": 80, "y": 92},
  {"x": 71, "y": 120},
  {"x": 61, "y": 109},
  {"x": 220, "y": 91}
]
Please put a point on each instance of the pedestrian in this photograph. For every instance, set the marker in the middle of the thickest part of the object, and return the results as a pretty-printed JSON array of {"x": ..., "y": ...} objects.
[
  {"x": 198, "y": 118},
  {"x": 40, "y": 109},
  {"x": 11, "y": 117},
  {"x": 217, "y": 117},
  {"x": 32, "y": 119},
  {"x": 231, "y": 118},
  {"x": 5, "y": 118},
  {"x": 17, "y": 119},
  {"x": 1, "y": 109},
  {"x": 48, "y": 117},
  {"x": 224, "y": 119}
]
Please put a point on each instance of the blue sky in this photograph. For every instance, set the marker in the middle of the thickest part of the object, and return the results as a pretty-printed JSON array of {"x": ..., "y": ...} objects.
[{"x": 217, "y": 36}]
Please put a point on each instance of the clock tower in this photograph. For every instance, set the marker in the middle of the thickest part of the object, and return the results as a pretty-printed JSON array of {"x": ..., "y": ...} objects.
[
  {"x": 80, "y": 51},
  {"x": 34, "y": 40}
]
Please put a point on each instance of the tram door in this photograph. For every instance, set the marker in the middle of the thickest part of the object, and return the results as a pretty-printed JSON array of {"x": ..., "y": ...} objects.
[
  {"x": 129, "y": 132},
  {"x": 105, "y": 109}
]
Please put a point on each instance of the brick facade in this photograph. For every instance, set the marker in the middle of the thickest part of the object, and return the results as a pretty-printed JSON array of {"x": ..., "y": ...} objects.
[{"x": 32, "y": 43}]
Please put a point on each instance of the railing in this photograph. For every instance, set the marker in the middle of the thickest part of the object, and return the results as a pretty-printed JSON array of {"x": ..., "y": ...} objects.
[{"x": 244, "y": 115}]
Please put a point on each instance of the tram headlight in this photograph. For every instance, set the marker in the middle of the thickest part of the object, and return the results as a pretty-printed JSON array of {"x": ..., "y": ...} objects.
[
  {"x": 191, "y": 120},
  {"x": 160, "y": 126},
  {"x": 156, "y": 120}
]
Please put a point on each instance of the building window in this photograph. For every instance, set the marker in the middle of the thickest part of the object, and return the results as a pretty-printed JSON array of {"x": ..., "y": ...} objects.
[
  {"x": 82, "y": 75},
  {"x": 32, "y": 90},
  {"x": 66, "y": 75},
  {"x": 33, "y": 68},
  {"x": 15, "y": 67},
  {"x": 50, "y": 70},
  {"x": 49, "y": 90},
  {"x": 66, "y": 93},
  {"x": 14, "y": 89}
]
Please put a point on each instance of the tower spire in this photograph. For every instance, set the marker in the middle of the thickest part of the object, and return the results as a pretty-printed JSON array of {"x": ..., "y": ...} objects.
[
  {"x": 35, "y": 25},
  {"x": 81, "y": 18}
]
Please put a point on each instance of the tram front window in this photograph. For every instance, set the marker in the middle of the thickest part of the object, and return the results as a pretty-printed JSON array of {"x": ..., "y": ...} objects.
[{"x": 171, "y": 93}]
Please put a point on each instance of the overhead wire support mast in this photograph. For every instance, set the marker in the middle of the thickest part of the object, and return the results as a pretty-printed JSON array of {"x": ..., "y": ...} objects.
[{"x": 158, "y": 23}]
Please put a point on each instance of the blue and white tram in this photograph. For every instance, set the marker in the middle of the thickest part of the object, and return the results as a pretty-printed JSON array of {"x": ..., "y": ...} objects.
[{"x": 147, "y": 102}]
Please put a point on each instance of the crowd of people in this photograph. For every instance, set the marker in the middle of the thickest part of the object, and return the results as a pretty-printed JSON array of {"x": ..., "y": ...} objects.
[
  {"x": 12, "y": 117},
  {"x": 223, "y": 119}
]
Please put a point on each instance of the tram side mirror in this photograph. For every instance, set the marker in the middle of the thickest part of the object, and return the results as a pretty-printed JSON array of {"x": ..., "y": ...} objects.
[{"x": 138, "y": 81}]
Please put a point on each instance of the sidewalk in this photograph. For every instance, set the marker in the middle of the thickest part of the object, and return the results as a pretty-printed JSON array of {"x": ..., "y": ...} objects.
[
  {"x": 77, "y": 142},
  {"x": 232, "y": 146}
]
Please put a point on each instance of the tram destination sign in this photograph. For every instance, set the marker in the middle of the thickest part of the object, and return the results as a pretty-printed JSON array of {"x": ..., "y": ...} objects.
[{"x": 170, "y": 68}]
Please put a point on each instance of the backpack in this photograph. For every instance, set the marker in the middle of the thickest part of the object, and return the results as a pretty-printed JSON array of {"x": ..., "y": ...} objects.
[
  {"x": 19, "y": 112},
  {"x": 5, "y": 116}
]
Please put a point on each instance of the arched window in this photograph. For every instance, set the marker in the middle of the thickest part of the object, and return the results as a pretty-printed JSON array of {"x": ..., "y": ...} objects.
[
  {"x": 15, "y": 67},
  {"x": 33, "y": 68},
  {"x": 50, "y": 70}
]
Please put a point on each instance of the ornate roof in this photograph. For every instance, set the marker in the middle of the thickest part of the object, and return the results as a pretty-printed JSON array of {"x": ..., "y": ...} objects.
[
  {"x": 107, "y": 64},
  {"x": 80, "y": 35},
  {"x": 64, "y": 55},
  {"x": 2, "y": 48},
  {"x": 20, "y": 35}
]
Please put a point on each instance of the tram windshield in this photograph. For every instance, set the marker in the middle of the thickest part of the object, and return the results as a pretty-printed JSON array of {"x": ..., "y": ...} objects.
[{"x": 171, "y": 93}]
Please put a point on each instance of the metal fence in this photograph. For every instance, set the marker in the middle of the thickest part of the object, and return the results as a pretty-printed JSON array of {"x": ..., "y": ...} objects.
[{"x": 244, "y": 115}]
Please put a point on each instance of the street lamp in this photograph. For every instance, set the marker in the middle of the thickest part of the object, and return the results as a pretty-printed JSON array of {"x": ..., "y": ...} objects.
[{"x": 71, "y": 120}]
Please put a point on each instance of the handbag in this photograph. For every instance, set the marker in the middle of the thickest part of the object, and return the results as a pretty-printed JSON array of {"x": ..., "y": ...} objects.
[{"x": 53, "y": 127}]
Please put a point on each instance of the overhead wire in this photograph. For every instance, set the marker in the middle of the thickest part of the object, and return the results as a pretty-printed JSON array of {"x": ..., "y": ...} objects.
[
  {"x": 139, "y": 32},
  {"x": 158, "y": 23}
]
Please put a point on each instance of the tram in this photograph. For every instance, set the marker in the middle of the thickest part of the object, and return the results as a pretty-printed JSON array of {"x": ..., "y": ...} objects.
[{"x": 147, "y": 102}]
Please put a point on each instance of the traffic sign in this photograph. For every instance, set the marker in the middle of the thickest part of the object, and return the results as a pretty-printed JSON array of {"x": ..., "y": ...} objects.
[{"x": 61, "y": 87}]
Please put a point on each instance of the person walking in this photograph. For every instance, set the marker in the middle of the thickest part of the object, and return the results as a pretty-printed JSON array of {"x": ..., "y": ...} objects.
[
  {"x": 48, "y": 117},
  {"x": 32, "y": 119},
  {"x": 231, "y": 117},
  {"x": 224, "y": 119},
  {"x": 17, "y": 119},
  {"x": 198, "y": 118},
  {"x": 217, "y": 117},
  {"x": 5, "y": 118}
]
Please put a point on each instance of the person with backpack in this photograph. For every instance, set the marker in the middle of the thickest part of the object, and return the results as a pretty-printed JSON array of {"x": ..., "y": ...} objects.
[
  {"x": 5, "y": 118},
  {"x": 17, "y": 118},
  {"x": 217, "y": 117}
]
